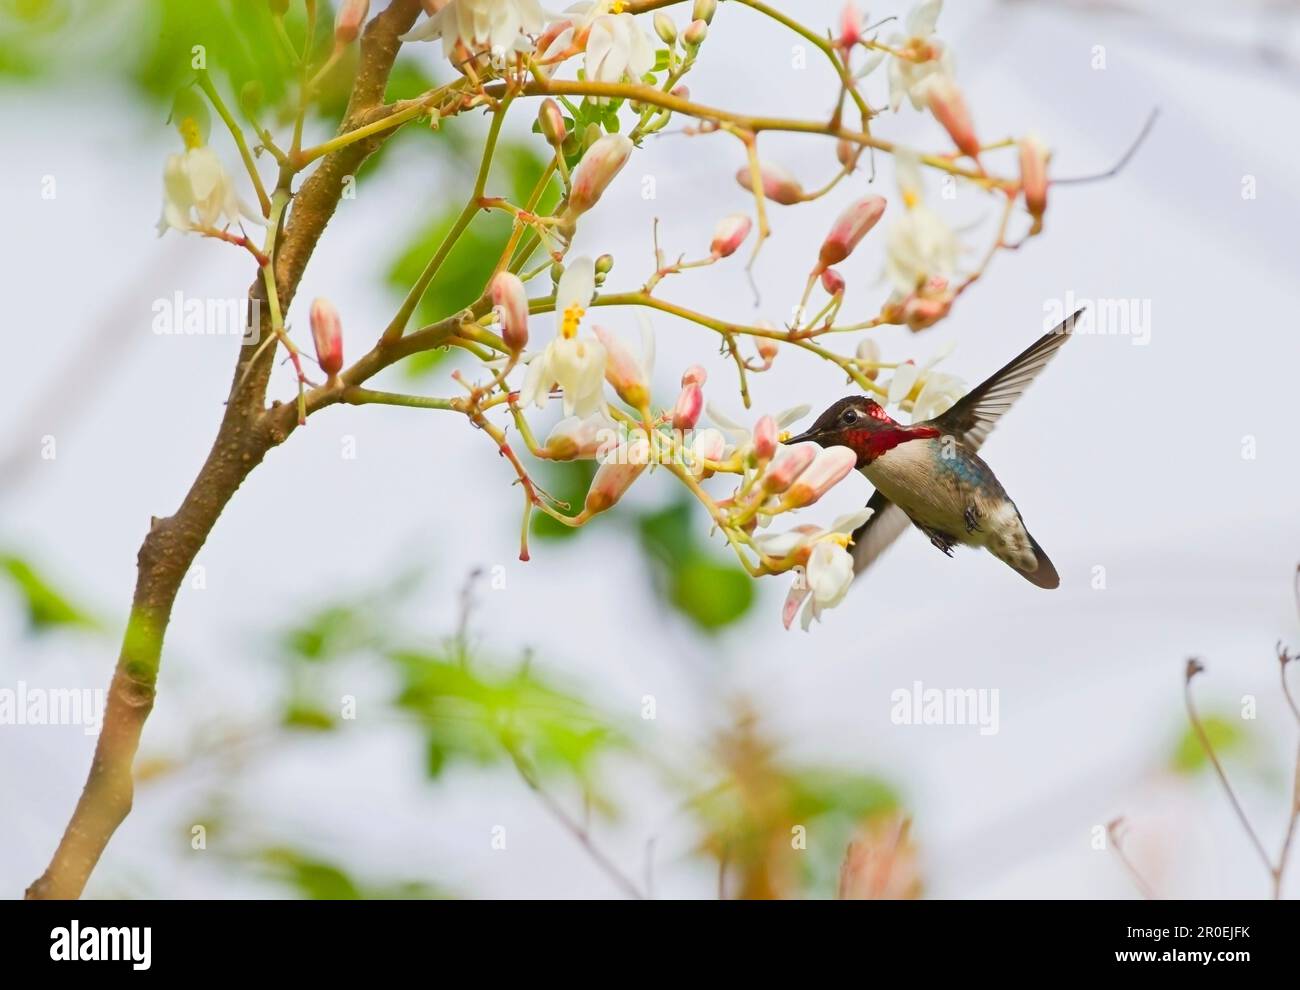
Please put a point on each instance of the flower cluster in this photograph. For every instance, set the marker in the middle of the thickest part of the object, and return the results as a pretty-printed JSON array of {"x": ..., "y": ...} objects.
[{"x": 624, "y": 81}]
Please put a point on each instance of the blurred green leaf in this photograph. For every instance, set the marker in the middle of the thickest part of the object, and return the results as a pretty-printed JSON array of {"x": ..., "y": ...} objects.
[
  {"x": 320, "y": 880},
  {"x": 568, "y": 481},
  {"x": 1226, "y": 735},
  {"x": 468, "y": 266},
  {"x": 304, "y": 715},
  {"x": 688, "y": 574},
  {"x": 46, "y": 607},
  {"x": 483, "y": 717}
]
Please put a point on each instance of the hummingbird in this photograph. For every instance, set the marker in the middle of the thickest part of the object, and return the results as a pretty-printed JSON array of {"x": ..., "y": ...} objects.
[{"x": 931, "y": 475}]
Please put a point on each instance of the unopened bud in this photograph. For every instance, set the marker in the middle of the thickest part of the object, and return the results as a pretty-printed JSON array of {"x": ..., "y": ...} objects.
[
  {"x": 695, "y": 33},
  {"x": 709, "y": 445},
  {"x": 604, "y": 264},
  {"x": 850, "y": 228},
  {"x": 615, "y": 476},
  {"x": 850, "y": 25},
  {"x": 511, "y": 302},
  {"x": 601, "y": 162},
  {"x": 828, "y": 469},
  {"x": 551, "y": 122},
  {"x": 767, "y": 350},
  {"x": 765, "y": 438},
  {"x": 348, "y": 21},
  {"x": 704, "y": 10},
  {"x": 789, "y": 465},
  {"x": 327, "y": 334},
  {"x": 682, "y": 92},
  {"x": 778, "y": 185},
  {"x": 694, "y": 375},
  {"x": 665, "y": 28},
  {"x": 1033, "y": 176},
  {"x": 579, "y": 439},
  {"x": 848, "y": 152},
  {"x": 729, "y": 234},
  {"x": 624, "y": 371},
  {"x": 690, "y": 403},
  {"x": 949, "y": 109},
  {"x": 832, "y": 282}
]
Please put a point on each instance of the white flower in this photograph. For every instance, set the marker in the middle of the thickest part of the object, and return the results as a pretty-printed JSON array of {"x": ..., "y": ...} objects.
[
  {"x": 576, "y": 364},
  {"x": 939, "y": 393},
  {"x": 198, "y": 192},
  {"x": 614, "y": 43},
  {"x": 741, "y": 435},
  {"x": 918, "y": 245},
  {"x": 930, "y": 56},
  {"x": 499, "y": 26},
  {"x": 825, "y": 579}
]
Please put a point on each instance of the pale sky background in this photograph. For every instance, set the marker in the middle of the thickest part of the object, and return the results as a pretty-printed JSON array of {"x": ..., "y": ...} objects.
[{"x": 1124, "y": 457}]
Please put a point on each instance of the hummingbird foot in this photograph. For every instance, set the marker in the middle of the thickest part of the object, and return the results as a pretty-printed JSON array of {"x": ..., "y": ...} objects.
[
  {"x": 941, "y": 540},
  {"x": 972, "y": 519}
]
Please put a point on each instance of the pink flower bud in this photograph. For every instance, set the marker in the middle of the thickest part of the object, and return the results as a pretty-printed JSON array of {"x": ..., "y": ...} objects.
[
  {"x": 348, "y": 21},
  {"x": 850, "y": 228},
  {"x": 551, "y": 121},
  {"x": 830, "y": 467},
  {"x": 949, "y": 109},
  {"x": 729, "y": 235},
  {"x": 682, "y": 92},
  {"x": 511, "y": 302},
  {"x": 778, "y": 185},
  {"x": 615, "y": 476},
  {"x": 327, "y": 333},
  {"x": 600, "y": 163},
  {"x": 850, "y": 25},
  {"x": 709, "y": 444},
  {"x": 832, "y": 281},
  {"x": 765, "y": 438},
  {"x": 848, "y": 152},
  {"x": 767, "y": 350},
  {"x": 690, "y": 403},
  {"x": 695, "y": 34},
  {"x": 694, "y": 375},
  {"x": 920, "y": 313},
  {"x": 624, "y": 371},
  {"x": 787, "y": 466},
  {"x": 1033, "y": 176}
]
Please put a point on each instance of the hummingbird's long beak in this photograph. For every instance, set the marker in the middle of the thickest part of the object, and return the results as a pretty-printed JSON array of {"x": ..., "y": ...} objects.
[{"x": 802, "y": 437}]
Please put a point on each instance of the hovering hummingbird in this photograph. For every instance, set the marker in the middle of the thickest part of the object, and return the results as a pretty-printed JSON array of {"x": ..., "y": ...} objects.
[{"x": 930, "y": 474}]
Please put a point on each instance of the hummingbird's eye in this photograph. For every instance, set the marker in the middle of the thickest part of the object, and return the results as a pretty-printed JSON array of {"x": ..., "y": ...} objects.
[{"x": 849, "y": 416}]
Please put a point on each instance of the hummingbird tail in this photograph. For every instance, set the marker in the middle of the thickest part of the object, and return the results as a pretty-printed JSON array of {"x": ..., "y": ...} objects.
[{"x": 1043, "y": 573}]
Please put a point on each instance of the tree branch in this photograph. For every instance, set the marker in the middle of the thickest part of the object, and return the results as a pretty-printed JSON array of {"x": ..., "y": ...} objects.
[{"x": 245, "y": 436}]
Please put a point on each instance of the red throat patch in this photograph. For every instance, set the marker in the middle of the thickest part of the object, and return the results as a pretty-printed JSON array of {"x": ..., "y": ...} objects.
[{"x": 870, "y": 444}]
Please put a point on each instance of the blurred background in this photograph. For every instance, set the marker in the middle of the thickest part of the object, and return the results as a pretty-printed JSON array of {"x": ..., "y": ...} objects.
[{"x": 365, "y": 693}]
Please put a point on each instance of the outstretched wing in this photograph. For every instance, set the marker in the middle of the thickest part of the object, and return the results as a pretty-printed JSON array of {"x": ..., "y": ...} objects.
[
  {"x": 973, "y": 417},
  {"x": 870, "y": 539}
]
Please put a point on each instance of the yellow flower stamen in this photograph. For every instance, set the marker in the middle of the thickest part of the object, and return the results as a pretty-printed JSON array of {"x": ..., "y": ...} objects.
[
  {"x": 843, "y": 539},
  {"x": 910, "y": 198},
  {"x": 190, "y": 133},
  {"x": 618, "y": 6},
  {"x": 783, "y": 436},
  {"x": 569, "y": 322}
]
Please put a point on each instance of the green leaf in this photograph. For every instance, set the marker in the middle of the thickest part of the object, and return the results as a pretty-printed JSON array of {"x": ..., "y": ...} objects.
[
  {"x": 46, "y": 607},
  {"x": 567, "y": 481},
  {"x": 688, "y": 575},
  {"x": 711, "y": 594},
  {"x": 303, "y": 715},
  {"x": 483, "y": 717},
  {"x": 1226, "y": 735}
]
